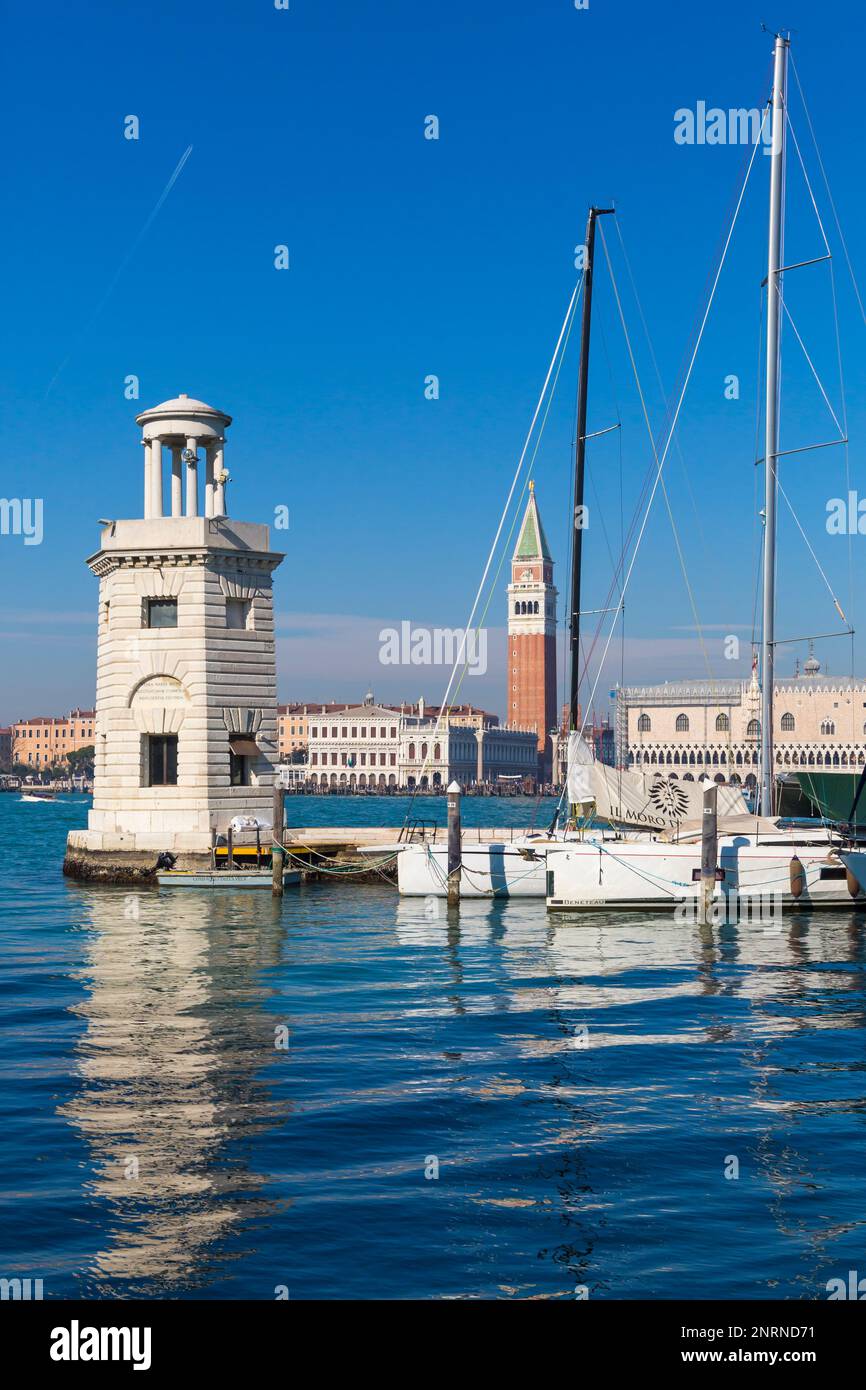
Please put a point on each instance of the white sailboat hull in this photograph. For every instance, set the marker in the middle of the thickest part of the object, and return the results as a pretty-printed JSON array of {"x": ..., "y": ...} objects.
[
  {"x": 593, "y": 875},
  {"x": 497, "y": 869}
]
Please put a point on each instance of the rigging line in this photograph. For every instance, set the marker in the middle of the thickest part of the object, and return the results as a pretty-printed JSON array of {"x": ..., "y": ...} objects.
[
  {"x": 733, "y": 210},
  {"x": 808, "y": 184},
  {"x": 757, "y": 534},
  {"x": 736, "y": 203},
  {"x": 659, "y": 378},
  {"x": 594, "y": 490},
  {"x": 757, "y": 589},
  {"x": 517, "y": 511},
  {"x": 680, "y": 554},
  {"x": 847, "y": 453},
  {"x": 723, "y": 243},
  {"x": 837, "y": 605},
  {"x": 827, "y": 186},
  {"x": 555, "y": 361},
  {"x": 813, "y": 369},
  {"x": 676, "y": 414}
]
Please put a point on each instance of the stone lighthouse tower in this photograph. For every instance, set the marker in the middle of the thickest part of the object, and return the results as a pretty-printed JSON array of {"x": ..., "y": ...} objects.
[
  {"x": 532, "y": 636},
  {"x": 186, "y": 673}
]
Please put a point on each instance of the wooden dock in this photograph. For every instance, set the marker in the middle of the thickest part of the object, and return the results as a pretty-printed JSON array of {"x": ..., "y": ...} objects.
[{"x": 329, "y": 839}]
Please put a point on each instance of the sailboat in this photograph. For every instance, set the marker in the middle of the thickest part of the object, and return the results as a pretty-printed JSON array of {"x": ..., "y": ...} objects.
[
  {"x": 631, "y": 805},
  {"x": 759, "y": 857}
]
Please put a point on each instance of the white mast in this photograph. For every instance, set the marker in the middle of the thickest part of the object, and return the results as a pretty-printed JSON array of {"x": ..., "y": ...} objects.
[{"x": 771, "y": 440}]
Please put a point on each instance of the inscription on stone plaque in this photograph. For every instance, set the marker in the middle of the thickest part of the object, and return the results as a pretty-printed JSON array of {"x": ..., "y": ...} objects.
[{"x": 161, "y": 691}]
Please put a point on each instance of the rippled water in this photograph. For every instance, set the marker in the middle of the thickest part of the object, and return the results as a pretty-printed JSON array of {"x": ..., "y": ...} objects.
[{"x": 582, "y": 1089}]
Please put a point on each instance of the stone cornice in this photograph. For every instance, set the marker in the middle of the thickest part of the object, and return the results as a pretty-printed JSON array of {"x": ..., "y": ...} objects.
[{"x": 108, "y": 561}]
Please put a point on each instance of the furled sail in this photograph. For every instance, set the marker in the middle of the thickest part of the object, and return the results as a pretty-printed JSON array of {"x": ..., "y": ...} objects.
[
  {"x": 581, "y": 788},
  {"x": 654, "y": 800},
  {"x": 647, "y": 800}
]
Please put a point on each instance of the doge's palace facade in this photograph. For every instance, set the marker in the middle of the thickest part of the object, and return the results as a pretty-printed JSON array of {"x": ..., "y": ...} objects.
[{"x": 714, "y": 727}]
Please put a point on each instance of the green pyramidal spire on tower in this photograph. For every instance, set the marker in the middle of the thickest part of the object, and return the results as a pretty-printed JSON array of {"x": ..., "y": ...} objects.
[{"x": 532, "y": 542}]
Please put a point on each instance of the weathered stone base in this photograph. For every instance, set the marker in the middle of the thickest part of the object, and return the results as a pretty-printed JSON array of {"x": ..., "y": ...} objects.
[{"x": 90, "y": 860}]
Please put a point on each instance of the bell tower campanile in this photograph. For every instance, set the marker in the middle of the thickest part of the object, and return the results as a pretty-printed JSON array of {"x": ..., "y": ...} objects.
[{"x": 531, "y": 702}]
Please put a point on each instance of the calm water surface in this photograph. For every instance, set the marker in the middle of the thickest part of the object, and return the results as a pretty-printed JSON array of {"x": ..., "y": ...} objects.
[{"x": 582, "y": 1089}]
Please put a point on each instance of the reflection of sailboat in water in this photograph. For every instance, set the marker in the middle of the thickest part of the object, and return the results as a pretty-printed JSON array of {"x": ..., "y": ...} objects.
[
  {"x": 168, "y": 1066},
  {"x": 616, "y": 1051}
]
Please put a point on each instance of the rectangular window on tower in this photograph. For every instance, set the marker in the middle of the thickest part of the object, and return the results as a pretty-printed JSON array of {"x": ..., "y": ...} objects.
[
  {"x": 160, "y": 612},
  {"x": 239, "y": 613},
  {"x": 239, "y": 770},
  {"x": 162, "y": 760}
]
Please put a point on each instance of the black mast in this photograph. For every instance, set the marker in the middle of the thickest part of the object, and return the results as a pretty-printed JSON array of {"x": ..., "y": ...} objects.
[{"x": 579, "y": 457}]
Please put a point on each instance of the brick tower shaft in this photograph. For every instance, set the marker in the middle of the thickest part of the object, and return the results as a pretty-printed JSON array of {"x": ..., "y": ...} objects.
[{"x": 532, "y": 596}]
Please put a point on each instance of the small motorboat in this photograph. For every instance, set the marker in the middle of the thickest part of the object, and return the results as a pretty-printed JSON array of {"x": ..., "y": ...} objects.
[
  {"x": 223, "y": 878},
  {"x": 38, "y": 794}
]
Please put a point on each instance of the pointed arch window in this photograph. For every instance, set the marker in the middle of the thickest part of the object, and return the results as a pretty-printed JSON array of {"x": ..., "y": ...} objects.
[
  {"x": 788, "y": 724},
  {"x": 682, "y": 725},
  {"x": 723, "y": 724},
  {"x": 644, "y": 724}
]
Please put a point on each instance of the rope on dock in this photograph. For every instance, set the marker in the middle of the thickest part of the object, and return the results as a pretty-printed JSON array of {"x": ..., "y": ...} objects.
[{"x": 339, "y": 870}]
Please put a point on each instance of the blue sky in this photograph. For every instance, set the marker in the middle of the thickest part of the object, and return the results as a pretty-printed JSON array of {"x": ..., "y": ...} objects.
[{"x": 410, "y": 257}]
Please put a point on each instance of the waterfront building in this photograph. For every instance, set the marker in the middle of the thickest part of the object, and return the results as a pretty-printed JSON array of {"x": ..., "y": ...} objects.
[
  {"x": 291, "y": 730},
  {"x": 5, "y": 749},
  {"x": 531, "y": 698},
  {"x": 714, "y": 727},
  {"x": 414, "y": 745},
  {"x": 186, "y": 707},
  {"x": 293, "y": 726},
  {"x": 44, "y": 740}
]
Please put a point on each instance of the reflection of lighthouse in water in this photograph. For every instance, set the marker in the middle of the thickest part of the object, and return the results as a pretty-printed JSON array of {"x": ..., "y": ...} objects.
[{"x": 175, "y": 1038}]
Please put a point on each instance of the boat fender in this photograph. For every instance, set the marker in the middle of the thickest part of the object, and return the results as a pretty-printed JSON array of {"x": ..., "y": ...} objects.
[
  {"x": 798, "y": 877},
  {"x": 850, "y": 877}
]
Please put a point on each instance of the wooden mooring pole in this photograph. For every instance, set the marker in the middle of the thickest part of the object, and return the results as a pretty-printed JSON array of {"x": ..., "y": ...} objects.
[
  {"x": 709, "y": 855},
  {"x": 278, "y": 852},
  {"x": 455, "y": 845}
]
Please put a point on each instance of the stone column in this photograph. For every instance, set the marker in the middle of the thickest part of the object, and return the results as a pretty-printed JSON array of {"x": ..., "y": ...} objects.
[
  {"x": 219, "y": 494},
  {"x": 156, "y": 477},
  {"x": 148, "y": 486},
  {"x": 176, "y": 481},
  {"x": 479, "y": 767},
  {"x": 208, "y": 480},
  {"x": 192, "y": 480}
]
